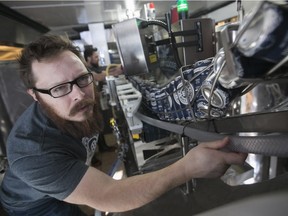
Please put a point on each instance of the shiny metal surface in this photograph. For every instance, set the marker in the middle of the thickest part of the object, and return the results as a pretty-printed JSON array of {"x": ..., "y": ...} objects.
[
  {"x": 257, "y": 53},
  {"x": 13, "y": 99},
  {"x": 198, "y": 39},
  {"x": 19, "y": 34},
  {"x": 131, "y": 48},
  {"x": 263, "y": 33}
]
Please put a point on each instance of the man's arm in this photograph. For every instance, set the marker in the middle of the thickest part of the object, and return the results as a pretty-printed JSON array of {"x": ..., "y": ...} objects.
[
  {"x": 113, "y": 71},
  {"x": 99, "y": 76},
  {"x": 101, "y": 192}
]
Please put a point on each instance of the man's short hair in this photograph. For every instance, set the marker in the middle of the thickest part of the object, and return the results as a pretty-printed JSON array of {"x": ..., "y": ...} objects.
[
  {"x": 45, "y": 47},
  {"x": 89, "y": 52}
]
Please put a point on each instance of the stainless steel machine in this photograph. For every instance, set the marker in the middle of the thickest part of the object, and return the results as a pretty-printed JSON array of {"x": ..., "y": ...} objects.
[
  {"x": 223, "y": 85},
  {"x": 165, "y": 70},
  {"x": 154, "y": 47}
]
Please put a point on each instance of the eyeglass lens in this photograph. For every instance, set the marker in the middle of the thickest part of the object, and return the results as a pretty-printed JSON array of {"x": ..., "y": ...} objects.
[{"x": 66, "y": 88}]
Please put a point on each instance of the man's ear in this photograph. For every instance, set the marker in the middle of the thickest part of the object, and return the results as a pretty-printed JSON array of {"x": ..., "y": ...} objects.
[{"x": 31, "y": 92}]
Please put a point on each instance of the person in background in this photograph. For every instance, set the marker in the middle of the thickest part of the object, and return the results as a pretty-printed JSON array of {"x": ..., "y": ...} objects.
[
  {"x": 91, "y": 57},
  {"x": 50, "y": 147}
]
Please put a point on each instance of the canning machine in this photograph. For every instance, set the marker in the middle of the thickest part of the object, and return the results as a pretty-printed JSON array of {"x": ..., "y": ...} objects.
[{"x": 183, "y": 86}]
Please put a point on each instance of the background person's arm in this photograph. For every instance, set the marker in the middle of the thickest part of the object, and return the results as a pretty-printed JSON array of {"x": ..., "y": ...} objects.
[
  {"x": 112, "y": 71},
  {"x": 115, "y": 70},
  {"x": 99, "y": 76}
]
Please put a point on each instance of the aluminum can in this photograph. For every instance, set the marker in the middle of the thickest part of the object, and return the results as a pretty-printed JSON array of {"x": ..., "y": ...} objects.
[
  {"x": 166, "y": 102},
  {"x": 201, "y": 108},
  {"x": 146, "y": 96},
  {"x": 184, "y": 96},
  {"x": 219, "y": 97},
  {"x": 203, "y": 79},
  {"x": 201, "y": 71},
  {"x": 265, "y": 34},
  {"x": 176, "y": 112},
  {"x": 153, "y": 103},
  {"x": 202, "y": 64},
  {"x": 158, "y": 97},
  {"x": 169, "y": 102},
  {"x": 187, "y": 72},
  {"x": 163, "y": 104}
]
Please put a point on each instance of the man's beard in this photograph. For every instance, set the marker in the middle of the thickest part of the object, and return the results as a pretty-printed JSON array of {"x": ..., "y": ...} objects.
[
  {"x": 86, "y": 128},
  {"x": 96, "y": 65}
]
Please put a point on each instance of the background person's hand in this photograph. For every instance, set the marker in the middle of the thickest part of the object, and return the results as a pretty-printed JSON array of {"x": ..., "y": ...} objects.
[
  {"x": 115, "y": 70},
  {"x": 99, "y": 76}
]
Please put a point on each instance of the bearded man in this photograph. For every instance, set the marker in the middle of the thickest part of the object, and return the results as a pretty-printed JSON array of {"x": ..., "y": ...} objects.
[{"x": 50, "y": 147}]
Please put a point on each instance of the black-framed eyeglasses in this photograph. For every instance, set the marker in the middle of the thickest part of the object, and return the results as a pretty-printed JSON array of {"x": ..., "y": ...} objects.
[{"x": 65, "y": 88}]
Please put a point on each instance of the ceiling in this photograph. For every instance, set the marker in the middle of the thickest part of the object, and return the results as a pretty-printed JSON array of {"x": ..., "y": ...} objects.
[{"x": 71, "y": 17}]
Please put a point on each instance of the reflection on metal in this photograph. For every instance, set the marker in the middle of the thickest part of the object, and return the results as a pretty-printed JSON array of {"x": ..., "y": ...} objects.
[
  {"x": 131, "y": 48},
  {"x": 189, "y": 185},
  {"x": 238, "y": 175},
  {"x": 195, "y": 39},
  {"x": 5, "y": 127},
  {"x": 253, "y": 127},
  {"x": 129, "y": 99},
  {"x": 13, "y": 99},
  {"x": 257, "y": 53},
  {"x": 154, "y": 46},
  {"x": 255, "y": 58},
  {"x": 16, "y": 31},
  {"x": 111, "y": 90},
  {"x": 12, "y": 90},
  {"x": 262, "y": 98}
]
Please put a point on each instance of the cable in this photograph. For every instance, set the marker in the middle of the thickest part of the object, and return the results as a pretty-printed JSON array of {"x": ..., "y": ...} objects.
[{"x": 145, "y": 24}]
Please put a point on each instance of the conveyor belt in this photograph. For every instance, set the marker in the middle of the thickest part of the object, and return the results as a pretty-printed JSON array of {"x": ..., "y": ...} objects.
[
  {"x": 274, "y": 122},
  {"x": 275, "y": 144}
]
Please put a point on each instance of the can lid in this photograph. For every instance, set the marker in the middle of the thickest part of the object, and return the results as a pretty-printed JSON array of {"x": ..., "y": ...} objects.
[{"x": 216, "y": 97}]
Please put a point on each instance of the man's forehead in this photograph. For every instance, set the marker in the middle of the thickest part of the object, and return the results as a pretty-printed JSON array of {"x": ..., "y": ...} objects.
[
  {"x": 60, "y": 57},
  {"x": 63, "y": 62}
]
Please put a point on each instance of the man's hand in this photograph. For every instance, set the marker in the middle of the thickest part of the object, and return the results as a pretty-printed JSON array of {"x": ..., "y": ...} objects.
[
  {"x": 208, "y": 161},
  {"x": 99, "y": 76},
  {"x": 112, "y": 71},
  {"x": 115, "y": 70}
]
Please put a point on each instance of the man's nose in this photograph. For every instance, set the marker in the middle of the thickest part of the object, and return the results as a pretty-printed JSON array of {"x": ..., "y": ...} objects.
[{"x": 77, "y": 93}]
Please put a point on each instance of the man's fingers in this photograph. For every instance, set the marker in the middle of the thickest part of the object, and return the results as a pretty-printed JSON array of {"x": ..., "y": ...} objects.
[
  {"x": 235, "y": 158},
  {"x": 230, "y": 157},
  {"x": 216, "y": 144}
]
